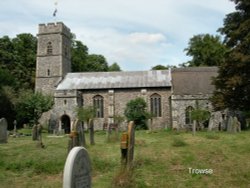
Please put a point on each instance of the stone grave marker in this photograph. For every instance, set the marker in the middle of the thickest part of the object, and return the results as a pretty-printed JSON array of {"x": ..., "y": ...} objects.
[
  {"x": 34, "y": 133},
  {"x": 77, "y": 169},
  {"x": 3, "y": 130}
]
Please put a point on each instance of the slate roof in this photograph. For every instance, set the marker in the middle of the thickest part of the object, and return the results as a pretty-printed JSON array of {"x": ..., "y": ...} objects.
[
  {"x": 109, "y": 80},
  {"x": 193, "y": 80}
]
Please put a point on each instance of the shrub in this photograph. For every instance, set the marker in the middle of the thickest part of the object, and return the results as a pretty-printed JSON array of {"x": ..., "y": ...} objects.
[{"x": 136, "y": 111}]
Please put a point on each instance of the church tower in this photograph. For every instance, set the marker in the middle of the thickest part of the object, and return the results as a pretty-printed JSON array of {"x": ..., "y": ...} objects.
[{"x": 53, "y": 56}]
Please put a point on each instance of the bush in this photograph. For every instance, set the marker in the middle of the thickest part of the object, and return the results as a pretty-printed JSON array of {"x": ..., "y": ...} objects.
[{"x": 136, "y": 111}]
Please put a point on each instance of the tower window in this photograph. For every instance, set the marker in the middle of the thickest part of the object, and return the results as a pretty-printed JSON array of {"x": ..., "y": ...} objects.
[
  {"x": 65, "y": 102},
  {"x": 155, "y": 104},
  {"x": 48, "y": 72},
  {"x": 49, "y": 48},
  {"x": 98, "y": 106}
]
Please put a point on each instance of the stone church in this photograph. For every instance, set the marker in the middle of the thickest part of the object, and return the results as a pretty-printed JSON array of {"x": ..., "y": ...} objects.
[{"x": 171, "y": 94}]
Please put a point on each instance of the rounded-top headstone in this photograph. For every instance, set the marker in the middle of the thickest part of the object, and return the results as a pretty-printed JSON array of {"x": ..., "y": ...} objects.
[{"x": 77, "y": 169}]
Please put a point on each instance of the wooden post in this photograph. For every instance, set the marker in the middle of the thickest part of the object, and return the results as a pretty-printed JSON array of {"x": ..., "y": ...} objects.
[
  {"x": 124, "y": 148},
  {"x": 131, "y": 143},
  {"x": 91, "y": 131}
]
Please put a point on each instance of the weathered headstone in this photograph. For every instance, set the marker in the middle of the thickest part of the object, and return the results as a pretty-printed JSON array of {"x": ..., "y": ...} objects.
[
  {"x": 39, "y": 132},
  {"x": 14, "y": 131},
  {"x": 34, "y": 133},
  {"x": 230, "y": 124},
  {"x": 236, "y": 125},
  {"x": 81, "y": 135},
  {"x": 3, "y": 130},
  {"x": 131, "y": 143},
  {"x": 77, "y": 169}
]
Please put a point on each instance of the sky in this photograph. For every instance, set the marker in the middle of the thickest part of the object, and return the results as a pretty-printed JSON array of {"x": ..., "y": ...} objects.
[{"x": 136, "y": 34}]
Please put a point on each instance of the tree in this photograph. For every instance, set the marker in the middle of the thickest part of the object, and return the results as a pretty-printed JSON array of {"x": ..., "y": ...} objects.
[
  {"x": 162, "y": 67},
  {"x": 159, "y": 67},
  {"x": 6, "y": 96},
  {"x": 205, "y": 50},
  {"x": 6, "y": 53},
  {"x": 136, "y": 111},
  {"x": 114, "y": 67},
  {"x": 79, "y": 55},
  {"x": 25, "y": 46},
  {"x": 31, "y": 106},
  {"x": 233, "y": 81},
  {"x": 96, "y": 63},
  {"x": 87, "y": 114}
]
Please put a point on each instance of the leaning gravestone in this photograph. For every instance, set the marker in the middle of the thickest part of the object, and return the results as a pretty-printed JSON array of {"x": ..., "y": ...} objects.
[
  {"x": 3, "y": 130},
  {"x": 77, "y": 169}
]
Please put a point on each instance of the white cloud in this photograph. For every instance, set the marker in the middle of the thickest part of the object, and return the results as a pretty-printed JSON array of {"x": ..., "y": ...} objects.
[
  {"x": 146, "y": 38},
  {"x": 137, "y": 34}
]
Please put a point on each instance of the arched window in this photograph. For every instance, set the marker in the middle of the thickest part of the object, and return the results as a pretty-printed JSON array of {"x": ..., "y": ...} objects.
[
  {"x": 155, "y": 105},
  {"x": 49, "y": 48},
  {"x": 98, "y": 106},
  {"x": 188, "y": 112}
]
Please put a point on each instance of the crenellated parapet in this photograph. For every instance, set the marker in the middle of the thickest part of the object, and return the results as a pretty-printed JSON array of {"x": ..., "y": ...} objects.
[{"x": 50, "y": 28}]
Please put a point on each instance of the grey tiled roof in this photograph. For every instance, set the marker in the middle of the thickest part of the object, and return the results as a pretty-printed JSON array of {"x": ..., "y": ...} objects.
[
  {"x": 193, "y": 80},
  {"x": 109, "y": 80}
]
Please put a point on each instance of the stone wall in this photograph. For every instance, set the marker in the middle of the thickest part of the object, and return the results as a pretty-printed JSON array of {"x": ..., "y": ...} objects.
[
  {"x": 179, "y": 103},
  {"x": 115, "y": 101},
  {"x": 65, "y": 104}
]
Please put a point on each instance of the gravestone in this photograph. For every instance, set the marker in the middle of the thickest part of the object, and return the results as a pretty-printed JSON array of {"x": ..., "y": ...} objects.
[
  {"x": 3, "y": 130},
  {"x": 131, "y": 143},
  {"x": 81, "y": 135},
  {"x": 14, "y": 131},
  {"x": 230, "y": 124},
  {"x": 34, "y": 133},
  {"x": 77, "y": 169}
]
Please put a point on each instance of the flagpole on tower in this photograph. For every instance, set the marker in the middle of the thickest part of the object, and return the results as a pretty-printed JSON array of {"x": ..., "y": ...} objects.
[{"x": 55, "y": 11}]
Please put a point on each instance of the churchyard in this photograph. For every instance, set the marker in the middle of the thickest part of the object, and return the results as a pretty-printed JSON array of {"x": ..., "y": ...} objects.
[{"x": 161, "y": 159}]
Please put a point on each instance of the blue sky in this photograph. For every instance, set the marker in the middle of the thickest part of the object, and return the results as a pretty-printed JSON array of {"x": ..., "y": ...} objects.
[{"x": 137, "y": 34}]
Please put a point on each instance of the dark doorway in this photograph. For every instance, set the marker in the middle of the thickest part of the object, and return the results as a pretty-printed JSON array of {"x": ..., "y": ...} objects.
[{"x": 65, "y": 120}]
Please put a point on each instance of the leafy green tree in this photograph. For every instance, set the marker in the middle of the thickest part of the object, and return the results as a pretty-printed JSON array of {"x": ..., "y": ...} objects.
[
  {"x": 6, "y": 96},
  {"x": 205, "y": 50},
  {"x": 6, "y": 53},
  {"x": 162, "y": 67},
  {"x": 114, "y": 67},
  {"x": 25, "y": 46},
  {"x": 136, "y": 110},
  {"x": 159, "y": 67},
  {"x": 31, "y": 106},
  {"x": 96, "y": 63},
  {"x": 233, "y": 82},
  {"x": 7, "y": 101},
  {"x": 79, "y": 54}
]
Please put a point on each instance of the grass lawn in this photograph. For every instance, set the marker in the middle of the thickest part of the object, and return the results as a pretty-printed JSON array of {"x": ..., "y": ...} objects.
[{"x": 162, "y": 159}]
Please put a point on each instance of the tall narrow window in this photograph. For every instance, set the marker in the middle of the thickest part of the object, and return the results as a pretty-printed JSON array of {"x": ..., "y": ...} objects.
[
  {"x": 155, "y": 105},
  {"x": 49, "y": 48},
  {"x": 98, "y": 105},
  {"x": 188, "y": 118},
  {"x": 48, "y": 72}
]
